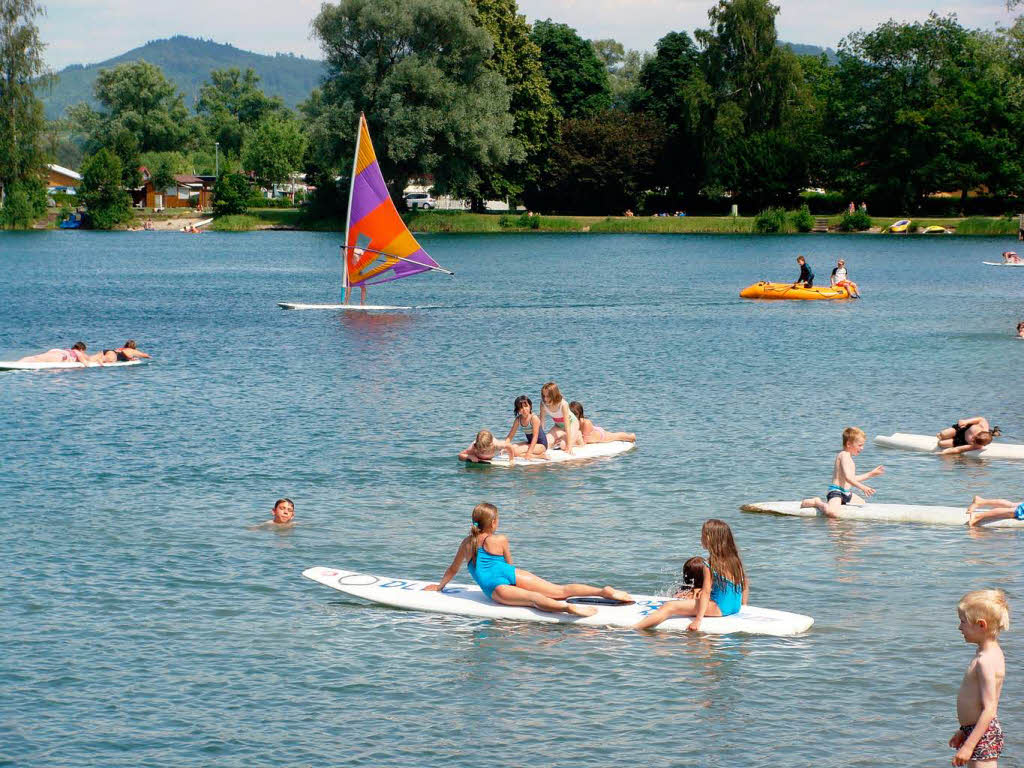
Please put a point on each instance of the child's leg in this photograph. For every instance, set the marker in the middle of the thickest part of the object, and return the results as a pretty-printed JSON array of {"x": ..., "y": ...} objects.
[
  {"x": 998, "y": 513},
  {"x": 556, "y": 437},
  {"x": 817, "y": 503},
  {"x": 667, "y": 611},
  {"x": 978, "y": 501},
  {"x": 946, "y": 434},
  {"x": 53, "y": 356},
  {"x": 538, "y": 449},
  {"x": 855, "y": 499},
  {"x": 532, "y": 583},
  {"x": 506, "y": 594},
  {"x": 627, "y": 437},
  {"x": 833, "y": 505}
]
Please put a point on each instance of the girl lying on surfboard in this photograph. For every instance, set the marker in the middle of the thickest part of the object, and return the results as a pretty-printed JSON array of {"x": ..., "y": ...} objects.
[
  {"x": 489, "y": 562},
  {"x": 595, "y": 434},
  {"x": 75, "y": 354},
  {"x": 723, "y": 571}
]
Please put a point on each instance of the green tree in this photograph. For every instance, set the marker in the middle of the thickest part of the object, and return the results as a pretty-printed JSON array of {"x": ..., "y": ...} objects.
[
  {"x": 22, "y": 69},
  {"x": 417, "y": 69},
  {"x": 231, "y": 102},
  {"x": 125, "y": 145},
  {"x": 24, "y": 203},
  {"x": 136, "y": 97},
  {"x": 579, "y": 80},
  {"x": 274, "y": 150},
  {"x": 623, "y": 67},
  {"x": 102, "y": 191},
  {"x": 231, "y": 194},
  {"x": 535, "y": 120}
]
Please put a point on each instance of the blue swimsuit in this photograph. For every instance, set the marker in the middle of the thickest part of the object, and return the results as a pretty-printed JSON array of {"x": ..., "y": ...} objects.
[
  {"x": 726, "y": 595},
  {"x": 542, "y": 438},
  {"x": 490, "y": 571}
]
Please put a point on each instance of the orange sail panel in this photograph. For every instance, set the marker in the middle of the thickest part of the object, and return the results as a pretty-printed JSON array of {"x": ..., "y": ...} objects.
[{"x": 391, "y": 252}]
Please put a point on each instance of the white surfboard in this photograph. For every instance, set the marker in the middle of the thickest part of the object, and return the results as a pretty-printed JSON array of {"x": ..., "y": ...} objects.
[
  {"x": 353, "y": 307},
  {"x": 558, "y": 456},
  {"x": 886, "y": 513},
  {"x": 1003, "y": 263},
  {"x": 15, "y": 365},
  {"x": 929, "y": 444},
  {"x": 466, "y": 600}
]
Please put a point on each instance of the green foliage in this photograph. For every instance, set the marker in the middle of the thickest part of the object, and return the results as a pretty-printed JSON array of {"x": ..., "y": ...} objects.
[
  {"x": 623, "y": 67},
  {"x": 22, "y": 70},
  {"x": 858, "y": 221},
  {"x": 801, "y": 219},
  {"x": 125, "y": 145},
  {"x": 24, "y": 203},
  {"x": 771, "y": 220},
  {"x": 522, "y": 221},
  {"x": 418, "y": 70},
  {"x": 579, "y": 80},
  {"x": 102, "y": 191},
  {"x": 230, "y": 194},
  {"x": 274, "y": 150},
  {"x": 231, "y": 102},
  {"x": 984, "y": 225}
]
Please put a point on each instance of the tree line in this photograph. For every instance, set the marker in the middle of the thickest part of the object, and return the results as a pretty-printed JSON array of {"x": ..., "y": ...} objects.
[{"x": 467, "y": 94}]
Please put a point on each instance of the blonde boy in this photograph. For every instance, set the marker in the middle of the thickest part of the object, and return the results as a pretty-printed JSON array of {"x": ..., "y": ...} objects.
[
  {"x": 484, "y": 448},
  {"x": 979, "y": 740},
  {"x": 845, "y": 477}
]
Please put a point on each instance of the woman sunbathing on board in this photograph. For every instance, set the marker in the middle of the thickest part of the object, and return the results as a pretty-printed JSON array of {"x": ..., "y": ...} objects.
[
  {"x": 536, "y": 445},
  {"x": 967, "y": 435},
  {"x": 1011, "y": 257},
  {"x": 124, "y": 354},
  {"x": 595, "y": 434},
  {"x": 489, "y": 562},
  {"x": 566, "y": 432},
  {"x": 76, "y": 354}
]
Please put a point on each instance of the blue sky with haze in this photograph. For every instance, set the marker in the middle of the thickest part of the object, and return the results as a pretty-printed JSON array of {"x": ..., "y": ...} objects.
[{"x": 79, "y": 32}]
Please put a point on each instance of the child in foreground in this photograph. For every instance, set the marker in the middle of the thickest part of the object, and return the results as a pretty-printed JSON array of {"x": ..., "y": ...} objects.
[
  {"x": 283, "y": 515},
  {"x": 723, "y": 571},
  {"x": 979, "y": 740},
  {"x": 996, "y": 509},
  {"x": 845, "y": 477},
  {"x": 489, "y": 562},
  {"x": 595, "y": 434}
]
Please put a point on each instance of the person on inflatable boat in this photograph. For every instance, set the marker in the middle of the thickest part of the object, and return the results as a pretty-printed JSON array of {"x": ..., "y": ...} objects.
[
  {"x": 806, "y": 279},
  {"x": 840, "y": 280}
]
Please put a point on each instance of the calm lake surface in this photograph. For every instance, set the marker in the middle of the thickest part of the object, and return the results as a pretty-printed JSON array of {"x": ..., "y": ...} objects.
[{"x": 145, "y": 624}]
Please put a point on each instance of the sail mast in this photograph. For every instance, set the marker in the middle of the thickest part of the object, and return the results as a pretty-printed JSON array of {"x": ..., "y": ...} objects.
[{"x": 348, "y": 214}]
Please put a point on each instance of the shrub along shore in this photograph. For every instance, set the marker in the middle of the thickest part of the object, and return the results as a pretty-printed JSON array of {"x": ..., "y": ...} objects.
[{"x": 461, "y": 222}]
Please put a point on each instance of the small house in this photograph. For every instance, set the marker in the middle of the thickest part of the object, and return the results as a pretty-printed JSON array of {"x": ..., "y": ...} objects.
[
  {"x": 61, "y": 179},
  {"x": 188, "y": 191}
]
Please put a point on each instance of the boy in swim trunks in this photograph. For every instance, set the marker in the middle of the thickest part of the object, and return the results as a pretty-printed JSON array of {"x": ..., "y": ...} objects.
[
  {"x": 997, "y": 509},
  {"x": 979, "y": 740},
  {"x": 845, "y": 477}
]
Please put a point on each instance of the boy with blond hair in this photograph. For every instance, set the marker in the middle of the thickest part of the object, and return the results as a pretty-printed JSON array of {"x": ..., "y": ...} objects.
[
  {"x": 845, "y": 477},
  {"x": 979, "y": 740},
  {"x": 484, "y": 448}
]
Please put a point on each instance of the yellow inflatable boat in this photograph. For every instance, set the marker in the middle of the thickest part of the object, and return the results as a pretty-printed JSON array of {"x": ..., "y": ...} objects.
[{"x": 763, "y": 290}]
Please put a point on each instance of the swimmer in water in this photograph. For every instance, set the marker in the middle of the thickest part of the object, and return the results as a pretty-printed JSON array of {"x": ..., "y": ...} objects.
[{"x": 283, "y": 516}]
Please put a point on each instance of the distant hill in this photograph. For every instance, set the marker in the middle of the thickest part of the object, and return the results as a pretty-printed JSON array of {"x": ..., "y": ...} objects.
[
  {"x": 187, "y": 62},
  {"x": 800, "y": 49}
]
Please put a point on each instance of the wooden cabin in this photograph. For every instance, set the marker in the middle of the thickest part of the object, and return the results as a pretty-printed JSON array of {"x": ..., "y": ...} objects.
[
  {"x": 61, "y": 178},
  {"x": 181, "y": 194}
]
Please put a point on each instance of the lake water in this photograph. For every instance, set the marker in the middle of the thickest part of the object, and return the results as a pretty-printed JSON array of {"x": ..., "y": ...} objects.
[{"x": 145, "y": 624}]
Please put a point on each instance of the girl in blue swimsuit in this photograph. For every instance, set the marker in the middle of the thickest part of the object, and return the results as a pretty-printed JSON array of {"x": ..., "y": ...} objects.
[
  {"x": 723, "y": 571},
  {"x": 490, "y": 565}
]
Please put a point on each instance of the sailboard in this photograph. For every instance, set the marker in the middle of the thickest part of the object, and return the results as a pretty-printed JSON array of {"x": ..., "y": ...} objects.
[
  {"x": 17, "y": 365},
  {"x": 468, "y": 600},
  {"x": 378, "y": 246},
  {"x": 929, "y": 444},
  {"x": 558, "y": 456},
  {"x": 882, "y": 513}
]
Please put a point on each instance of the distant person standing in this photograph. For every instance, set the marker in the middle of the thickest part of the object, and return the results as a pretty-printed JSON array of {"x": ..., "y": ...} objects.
[
  {"x": 851, "y": 207},
  {"x": 863, "y": 207},
  {"x": 806, "y": 279}
]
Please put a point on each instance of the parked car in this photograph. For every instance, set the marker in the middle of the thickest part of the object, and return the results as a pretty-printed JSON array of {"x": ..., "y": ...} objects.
[{"x": 422, "y": 200}]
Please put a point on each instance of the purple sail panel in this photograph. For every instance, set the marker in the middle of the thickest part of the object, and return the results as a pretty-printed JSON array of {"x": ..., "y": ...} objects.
[{"x": 368, "y": 192}]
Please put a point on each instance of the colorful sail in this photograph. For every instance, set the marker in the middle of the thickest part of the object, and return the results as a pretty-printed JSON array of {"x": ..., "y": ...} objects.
[{"x": 379, "y": 247}]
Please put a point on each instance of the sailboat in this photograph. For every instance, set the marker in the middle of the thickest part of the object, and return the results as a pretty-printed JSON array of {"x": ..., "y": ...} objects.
[{"x": 378, "y": 246}]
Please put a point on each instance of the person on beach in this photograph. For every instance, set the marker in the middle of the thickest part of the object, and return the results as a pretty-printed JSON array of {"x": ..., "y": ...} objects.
[
  {"x": 979, "y": 739},
  {"x": 536, "y": 445},
  {"x": 283, "y": 515},
  {"x": 994, "y": 509},
  {"x": 840, "y": 279},
  {"x": 566, "y": 432},
  {"x": 75, "y": 354},
  {"x": 484, "y": 448},
  {"x": 806, "y": 279},
  {"x": 967, "y": 435},
  {"x": 845, "y": 477},
  {"x": 489, "y": 562},
  {"x": 723, "y": 571},
  {"x": 595, "y": 434}
]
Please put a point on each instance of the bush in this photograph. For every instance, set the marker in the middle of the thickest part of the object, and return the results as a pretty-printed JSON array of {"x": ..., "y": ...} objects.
[
  {"x": 858, "y": 221},
  {"x": 522, "y": 221},
  {"x": 770, "y": 220},
  {"x": 801, "y": 219},
  {"x": 106, "y": 201},
  {"x": 824, "y": 204},
  {"x": 25, "y": 202},
  {"x": 230, "y": 194}
]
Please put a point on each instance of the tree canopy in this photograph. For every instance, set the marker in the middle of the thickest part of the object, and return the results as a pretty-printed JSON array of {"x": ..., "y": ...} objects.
[
  {"x": 232, "y": 101},
  {"x": 579, "y": 79}
]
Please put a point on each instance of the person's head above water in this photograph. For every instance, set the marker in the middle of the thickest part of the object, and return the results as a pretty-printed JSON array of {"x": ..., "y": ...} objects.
[
  {"x": 130, "y": 344},
  {"x": 693, "y": 574},
  {"x": 484, "y": 442},
  {"x": 550, "y": 393},
  {"x": 284, "y": 511},
  {"x": 985, "y": 436},
  {"x": 485, "y": 518},
  {"x": 522, "y": 400}
]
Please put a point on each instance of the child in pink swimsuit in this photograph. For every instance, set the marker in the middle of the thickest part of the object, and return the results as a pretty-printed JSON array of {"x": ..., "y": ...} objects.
[
  {"x": 595, "y": 434},
  {"x": 76, "y": 354}
]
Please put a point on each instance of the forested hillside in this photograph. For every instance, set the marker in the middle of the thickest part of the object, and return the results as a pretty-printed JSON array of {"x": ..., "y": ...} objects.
[{"x": 187, "y": 62}]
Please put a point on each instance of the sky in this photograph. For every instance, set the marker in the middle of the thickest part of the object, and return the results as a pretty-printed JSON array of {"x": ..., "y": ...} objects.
[{"x": 86, "y": 32}]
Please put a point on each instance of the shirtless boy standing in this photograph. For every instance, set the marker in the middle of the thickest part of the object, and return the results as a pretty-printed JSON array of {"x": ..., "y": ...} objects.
[
  {"x": 845, "y": 477},
  {"x": 979, "y": 740}
]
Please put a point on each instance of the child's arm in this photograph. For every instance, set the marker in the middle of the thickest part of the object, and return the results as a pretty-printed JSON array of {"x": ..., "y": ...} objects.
[
  {"x": 960, "y": 449},
  {"x": 970, "y": 422},
  {"x": 879, "y": 470},
  {"x": 452, "y": 569},
  {"x": 850, "y": 473},
  {"x": 988, "y": 691},
  {"x": 469, "y": 454},
  {"x": 505, "y": 551},
  {"x": 702, "y": 602},
  {"x": 512, "y": 432},
  {"x": 746, "y": 591},
  {"x": 568, "y": 416}
]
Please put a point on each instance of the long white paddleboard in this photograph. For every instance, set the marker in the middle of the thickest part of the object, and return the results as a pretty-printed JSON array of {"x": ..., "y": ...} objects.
[
  {"x": 464, "y": 600},
  {"x": 15, "y": 365},
  {"x": 558, "y": 456},
  {"x": 352, "y": 307},
  {"x": 1003, "y": 263},
  {"x": 929, "y": 444},
  {"x": 885, "y": 513}
]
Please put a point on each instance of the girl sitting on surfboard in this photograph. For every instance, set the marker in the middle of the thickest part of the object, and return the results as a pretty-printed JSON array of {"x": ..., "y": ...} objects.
[
  {"x": 595, "y": 434},
  {"x": 490, "y": 564},
  {"x": 723, "y": 571},
  {"x": 566, "y": 432},
  {"x": 967, "y": 435},
  {"x": 536, "y": 445}
]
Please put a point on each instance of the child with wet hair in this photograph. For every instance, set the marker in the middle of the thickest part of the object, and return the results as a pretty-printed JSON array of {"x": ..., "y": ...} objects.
[
  {"x": 595, "y": 434},
  {"x": 693, "y": 579},
  {"x": 484, "y": 448},
  {"x": 283, "y": 515},
  {"x": 983, "y": 613}
]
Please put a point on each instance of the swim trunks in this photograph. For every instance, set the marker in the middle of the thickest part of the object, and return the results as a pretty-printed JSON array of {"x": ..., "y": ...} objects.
[
  {"x": 490, "y": 571},
  {"x": 1019, "y": 511},
  {"x": 959, "y": 435},
  {"x": 991, "y": 744},
  {"x": 837, "y": 491}
]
